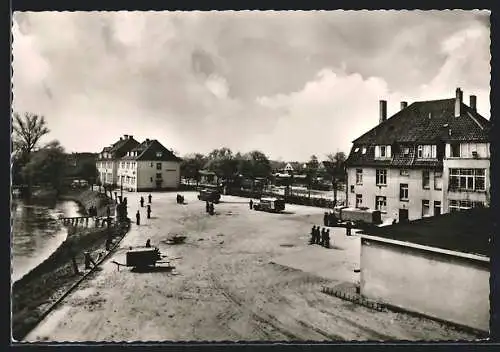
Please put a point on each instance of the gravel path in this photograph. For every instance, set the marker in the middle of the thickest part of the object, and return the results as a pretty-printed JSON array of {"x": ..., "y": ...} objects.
[{"x": 232, "y": 281}]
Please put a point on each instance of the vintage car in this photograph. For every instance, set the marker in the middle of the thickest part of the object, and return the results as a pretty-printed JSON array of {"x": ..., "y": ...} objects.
[
  {"x": 270, "y": 204},
  {"x": 209, "y": 195}
]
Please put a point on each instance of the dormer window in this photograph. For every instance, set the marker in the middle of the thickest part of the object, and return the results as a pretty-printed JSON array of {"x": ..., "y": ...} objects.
[
  {"x": 406, "y": 151},
  {"x": 158, "y": 154},
  {"x": 426, "y": 152},
  {"x": 363, "y": 151},
  {"x": 356, "y": 150},
  {"x": 383, "y": 151}
]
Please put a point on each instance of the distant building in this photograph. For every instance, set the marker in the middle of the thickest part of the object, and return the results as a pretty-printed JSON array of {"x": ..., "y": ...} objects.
[
  {"x": 438, "y": 267},
  {"x": 108, "y": 159},
  {"x": 430, "y": 158},
  {"x": 149, "y": 166}
]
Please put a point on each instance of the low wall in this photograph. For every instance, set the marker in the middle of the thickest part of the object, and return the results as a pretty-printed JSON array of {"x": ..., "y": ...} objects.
[{"x": 441, "y": 284}]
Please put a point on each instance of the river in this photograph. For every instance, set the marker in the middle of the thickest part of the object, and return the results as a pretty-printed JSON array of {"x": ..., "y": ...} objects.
[{"x": 36, "y": 233}]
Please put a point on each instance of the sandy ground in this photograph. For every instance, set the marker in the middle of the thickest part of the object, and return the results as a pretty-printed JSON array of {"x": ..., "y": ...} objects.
[{"x": 241, "y": 275}]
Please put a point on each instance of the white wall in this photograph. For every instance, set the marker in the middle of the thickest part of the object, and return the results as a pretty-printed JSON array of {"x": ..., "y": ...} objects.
[
  {"x": 107, "y": 167},
  {"x": 444, "y": 286},
  {"x": 416, "y": 193},
  {"x": 170, "y": 170}
]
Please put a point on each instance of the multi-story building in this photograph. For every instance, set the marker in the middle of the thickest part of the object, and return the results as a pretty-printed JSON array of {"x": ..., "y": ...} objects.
[
  {"x": 107, "y": 160},
  {"x": 149, "y": 166},
  {"x": 429, "y": 158}
]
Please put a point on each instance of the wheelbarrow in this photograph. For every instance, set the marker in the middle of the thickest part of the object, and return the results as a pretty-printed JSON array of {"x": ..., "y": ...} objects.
[{"x": 143, "y": 257}]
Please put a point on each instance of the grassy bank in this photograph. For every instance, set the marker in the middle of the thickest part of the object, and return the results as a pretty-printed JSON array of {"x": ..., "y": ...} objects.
[{"x": 34, "y": 293}]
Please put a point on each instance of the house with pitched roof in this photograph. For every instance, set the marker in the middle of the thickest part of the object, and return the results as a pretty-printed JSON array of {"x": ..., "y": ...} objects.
[
  {"x": 149, "y": 166},
  {"x": 429, "y": 158},
  {"x": 107, "y": 159}
]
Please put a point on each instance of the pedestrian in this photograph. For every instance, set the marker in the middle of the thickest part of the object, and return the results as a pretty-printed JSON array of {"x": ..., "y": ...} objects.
[
  {"x": 348, "y": 228},
  {"x": 149, "y": 198},
  {"x": 88, "y": 261},
  {"x": 251, "y": 204},
  {"x": 323, "y": 236},
  {"x": 316, "y": 235},
  {"x": 212, "y": 209},
  {"x": 148, "y": 243},
  {"x": 142, "y": 202},
  {"x": 138, "y": 218},
  {"x": 109, "y": 241},
  {"x": 125, "y": 201},
  {"x": 327, "y": 239},
  {"x": 149, "y": 211},
  {"x": 313, "y": 234},
  {"x": 108, "y": 211},
  {"x": 325, "y": 219},
  {"x": 207, "y": 206}
]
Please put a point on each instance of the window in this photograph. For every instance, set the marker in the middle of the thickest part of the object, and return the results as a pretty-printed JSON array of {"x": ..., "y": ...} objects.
[
  {"x": 356, "y": 150},
  {"x": 158, "y": 154},
  {"x": 158, "y": 166},
  {"x": 426, "y": 208},
  {"x": 437, "y": 207},
  {"x": 359, "y": 200},
  {"x": 359, "y": 176},
  {"x": 438, "y": 180},
  {"x": 363, "y": 151},
  {"x": 158, "y": 175},
  {"x": 382, "y": 151},
  {"x": 352, "y": 188},
  {"x": 406, "y": 151},
  {"x": 426, "y": 179},
  {"x": 403, "y": 191},
  {"x": 467, "y": 180},
  {"x": 381, "y": 203},
  {"x": 455, "y": 150},
  {"x": 381, "y": 176},
  {"x": 426, "y": 152},
  {"x": 458, "y": 205},
  {"x": 404, "y": 172},
  {"x": 151, "y": 179}
]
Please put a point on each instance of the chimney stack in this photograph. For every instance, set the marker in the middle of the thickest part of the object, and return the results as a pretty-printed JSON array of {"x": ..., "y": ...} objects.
[
  {"x": 458, "y": 102},
  {"x": 126, "y": 136},
  {"x": 147, "y": 140},
  {"x": 383, "y": 111},
  {"x": 130, "y": 136},
  {"x": 472, "y": 104},
  {"x": 404, "y": 104}
]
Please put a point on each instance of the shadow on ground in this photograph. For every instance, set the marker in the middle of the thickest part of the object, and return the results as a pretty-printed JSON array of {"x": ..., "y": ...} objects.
[{"x": 153, "y": 269}]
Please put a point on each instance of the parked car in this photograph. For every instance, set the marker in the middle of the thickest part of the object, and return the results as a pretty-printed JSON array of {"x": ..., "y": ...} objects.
[
  {"x": 274, "y": 205},
  {"x": 209, "y": 195}
]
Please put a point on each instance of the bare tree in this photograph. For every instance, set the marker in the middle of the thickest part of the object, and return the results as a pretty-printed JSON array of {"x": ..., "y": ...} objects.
[
  {"x": 28, "y": 131},
  {"x": 335, "y": 167}
]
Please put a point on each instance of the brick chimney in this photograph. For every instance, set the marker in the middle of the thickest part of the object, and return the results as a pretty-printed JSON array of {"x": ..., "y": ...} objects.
[
  {"x": 147, "y": 140},
  {"x": 126, "y": 136},
  {"x": 130, "y": 136},
  {"x": 473, "y": 100},
  {"x": 383, "y": 111},
  {"x": 404, "y": 104},
  {"x": 458, "y": 102}
]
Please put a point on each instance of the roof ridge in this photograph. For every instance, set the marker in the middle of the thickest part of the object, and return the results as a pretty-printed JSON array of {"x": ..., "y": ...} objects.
[{"x": 475, "y": 120}]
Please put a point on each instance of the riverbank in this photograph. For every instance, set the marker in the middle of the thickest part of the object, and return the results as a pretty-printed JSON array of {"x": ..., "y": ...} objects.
[{"x": 35, "y": 292}]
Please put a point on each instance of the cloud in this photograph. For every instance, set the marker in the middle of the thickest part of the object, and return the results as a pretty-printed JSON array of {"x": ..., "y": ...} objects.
[{"x": 252, "y": 80}]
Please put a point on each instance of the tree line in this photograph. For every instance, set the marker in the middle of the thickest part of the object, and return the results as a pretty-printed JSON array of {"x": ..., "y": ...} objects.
[
  {"x": 229, "y": 168},
  {"x": 46, "y": 165}
]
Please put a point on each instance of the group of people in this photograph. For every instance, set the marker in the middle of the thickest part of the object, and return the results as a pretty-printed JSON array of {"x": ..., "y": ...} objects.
[
  {"x": 321, "y": 237},
  {"x": 92, "y": 210},
  {"x": 329, "y": 219},
  {"x": 209, "y": 207},
  {"x": 148, "y": 210}
]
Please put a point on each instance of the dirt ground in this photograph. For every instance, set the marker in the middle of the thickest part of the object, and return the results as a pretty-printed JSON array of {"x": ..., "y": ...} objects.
[{"x": 241, "y": 275}]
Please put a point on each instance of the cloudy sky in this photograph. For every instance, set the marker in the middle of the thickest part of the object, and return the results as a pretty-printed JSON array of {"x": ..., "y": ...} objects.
[{"x": 291, "y": 84}]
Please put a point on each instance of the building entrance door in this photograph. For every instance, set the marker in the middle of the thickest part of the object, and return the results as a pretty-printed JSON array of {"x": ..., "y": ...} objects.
[{"x": 403, "y": 215}]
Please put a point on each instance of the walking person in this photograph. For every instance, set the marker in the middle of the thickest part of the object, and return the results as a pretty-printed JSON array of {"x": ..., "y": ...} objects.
[
  {"x": 149, "y": 211},
  {"x": 251, "y": 204},
  {"x": 138, "y": 217},
  {"x": 149, "y": 198},
  {"x": 142, "y": 202}
]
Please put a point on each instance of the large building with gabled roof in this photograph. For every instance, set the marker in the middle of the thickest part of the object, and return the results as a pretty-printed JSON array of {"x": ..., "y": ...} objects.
[
  {"x": 148, "y": 167},
  {"x": 107, "y": 159},
  {"x": 429, "y": 158}
]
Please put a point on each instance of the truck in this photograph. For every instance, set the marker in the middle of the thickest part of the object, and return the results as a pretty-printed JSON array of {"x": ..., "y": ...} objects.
[
  {"x": 360, "y": 217},
  {"x": 270, "y": 204},
  {"x": 209, "y": 195}
]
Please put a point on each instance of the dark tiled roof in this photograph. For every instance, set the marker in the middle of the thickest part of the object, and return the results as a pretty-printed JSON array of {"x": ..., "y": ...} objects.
[
  {"x": 464, "y": 231},
  {"x": 147, "y": 152},
  {"x": 119, "y": 148},
  {"x": 414, "y": 125}
]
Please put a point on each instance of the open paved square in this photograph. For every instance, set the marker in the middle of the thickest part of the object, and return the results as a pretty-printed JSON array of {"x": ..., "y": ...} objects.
[{"x": 240, "y": 275}]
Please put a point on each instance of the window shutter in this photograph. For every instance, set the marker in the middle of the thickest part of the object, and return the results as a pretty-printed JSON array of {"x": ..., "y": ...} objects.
[
  {"x": 377, "y": 151},
  {"x": 388, "y": 151}
]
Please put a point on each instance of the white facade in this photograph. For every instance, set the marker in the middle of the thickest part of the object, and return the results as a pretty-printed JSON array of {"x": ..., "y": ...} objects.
[
  {"x": 148, "y": 175},
  {"x": 107, "y": 170},
  {"x": 423, "y": 192}
]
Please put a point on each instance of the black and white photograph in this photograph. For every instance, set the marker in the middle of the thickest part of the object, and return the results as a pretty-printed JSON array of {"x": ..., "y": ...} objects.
[{"x": 257, "y": 176}]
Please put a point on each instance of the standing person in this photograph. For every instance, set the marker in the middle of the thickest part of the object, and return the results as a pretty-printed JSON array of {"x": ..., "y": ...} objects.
[
  {"x": 348, "y": 228},
  {"x": 207, "y": 206},
  {"x": 142, "y": 202},
  {"x": 325, "y": 219},
  {"x": 323, "y": 237},
  {"x": 327, "y": 239},
  {"x": 149, "y": 211},
  {"x": 148, "y": 243},
  {"x": 317, "y": 235},
  {"x": 138, "y": 218},
  {"x": 149, "y": 198},
  {"x": 251, "y": 204},
  {"x": 313, "y": 234},
  {"x": 212, "y": 209}
]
